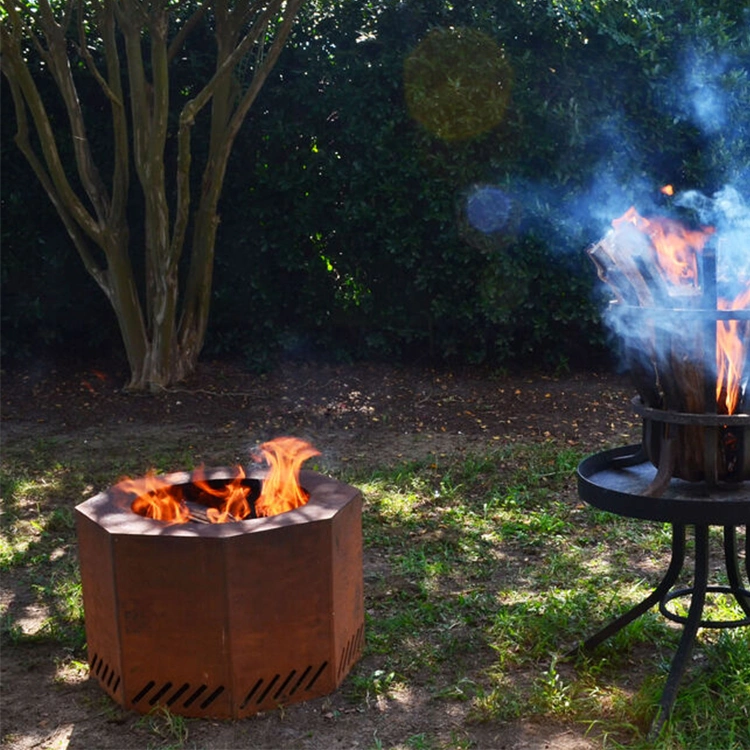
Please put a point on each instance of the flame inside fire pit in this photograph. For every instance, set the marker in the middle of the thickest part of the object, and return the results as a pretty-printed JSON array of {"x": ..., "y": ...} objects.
[{"x": 232, "y": 500}]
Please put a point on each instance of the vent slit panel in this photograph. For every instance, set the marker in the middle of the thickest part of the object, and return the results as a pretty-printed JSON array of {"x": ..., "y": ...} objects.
[
  {"x": 317, "y": 674},
  {"x": 159, "y": 693},
  {"x": 345, "y": 652},
  {"x": 178, "y": 693},
  {"x": 252, "y": 692},
  {"x": 278, "y": 693},
  {"x": 360, "y": 638},
  {"x": 211, "y": 698},
  {"x": 268, "y": 689},
  {"x": 194, "y": 697},
  {"x": 299, "y": 681},
  {"x": 144, "y": 691}
]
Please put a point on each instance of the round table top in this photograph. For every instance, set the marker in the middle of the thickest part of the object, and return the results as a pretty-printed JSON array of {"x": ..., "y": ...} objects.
[{"x": 606, "y": 481}]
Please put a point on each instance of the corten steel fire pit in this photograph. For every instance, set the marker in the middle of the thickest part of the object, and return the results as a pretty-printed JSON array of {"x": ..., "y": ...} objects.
[
  {"x": 223, "y": 620},
  {"x": 688, "y": 352}
]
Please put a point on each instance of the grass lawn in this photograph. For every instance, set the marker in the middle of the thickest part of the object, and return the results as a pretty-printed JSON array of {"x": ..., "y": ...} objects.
[{"x": 481, "y": 572}]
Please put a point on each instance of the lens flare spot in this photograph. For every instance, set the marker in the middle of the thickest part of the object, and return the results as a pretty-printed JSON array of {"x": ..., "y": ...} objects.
[
  {"x": 457, "y": 83},
  {"x": 489, "y": 209}
]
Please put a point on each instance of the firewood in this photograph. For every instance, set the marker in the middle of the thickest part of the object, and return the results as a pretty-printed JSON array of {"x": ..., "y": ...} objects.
[{"x": 199, "y": 513}]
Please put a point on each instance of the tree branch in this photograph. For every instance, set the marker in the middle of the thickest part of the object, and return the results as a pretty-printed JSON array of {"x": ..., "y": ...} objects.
[
  {"x": 184, "y": 32},
  {"x": 60, "y": 69},
  {"x": 16, "y": 70},
  {"x": 85, "y": 53},
  {"x": 73, "y": 229}
]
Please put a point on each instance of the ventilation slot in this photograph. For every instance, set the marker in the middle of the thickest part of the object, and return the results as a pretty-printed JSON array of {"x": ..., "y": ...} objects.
[
  {"x": 159, "y": 693},
  {"x": 317, "y": 674},
  {"x": 280, "y": 691},
  {"x": 164, "y": 690},
  {"x": 194, "y": 697},
  {"x": 178, "y": 693},
  {"x": 211, "y": 698},
  {"x": 252, "y": 692},
  {"x": 104, "y": 673},
  {"x": 299, "y": 681},
  {"x": 268, "y": 689},
  {"x": 146, "y": 689},
  {"x": 351, "y": 651}
]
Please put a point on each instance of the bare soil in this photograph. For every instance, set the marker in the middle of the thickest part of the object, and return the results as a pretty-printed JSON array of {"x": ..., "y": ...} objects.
[{"x": 358, "y": 416}]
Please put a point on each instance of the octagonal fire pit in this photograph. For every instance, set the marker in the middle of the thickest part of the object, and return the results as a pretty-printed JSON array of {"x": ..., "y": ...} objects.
[{"x": 222, "y": 619}]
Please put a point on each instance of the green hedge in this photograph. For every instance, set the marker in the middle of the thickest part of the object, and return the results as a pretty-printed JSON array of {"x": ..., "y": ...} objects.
[{"x": 384, "y": 200}]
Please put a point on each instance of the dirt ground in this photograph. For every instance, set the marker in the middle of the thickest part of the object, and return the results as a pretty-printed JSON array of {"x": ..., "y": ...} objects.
[{"x": 356, "y": 415}]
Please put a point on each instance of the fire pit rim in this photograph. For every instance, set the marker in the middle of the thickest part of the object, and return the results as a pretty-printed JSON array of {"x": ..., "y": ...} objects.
[
  {"x": 327, "y": 497},
  {"x": 681, "y": 417}
]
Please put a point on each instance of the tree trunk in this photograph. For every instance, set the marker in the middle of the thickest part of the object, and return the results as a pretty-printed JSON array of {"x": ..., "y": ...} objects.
[{"x": 160, "y": 352}]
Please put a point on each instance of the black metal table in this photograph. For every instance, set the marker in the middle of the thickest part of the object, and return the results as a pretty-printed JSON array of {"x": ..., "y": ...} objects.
[{"x": 614, "y": 481}]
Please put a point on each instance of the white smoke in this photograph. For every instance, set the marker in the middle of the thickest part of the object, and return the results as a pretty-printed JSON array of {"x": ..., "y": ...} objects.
[{"x": 729, "y": 213}]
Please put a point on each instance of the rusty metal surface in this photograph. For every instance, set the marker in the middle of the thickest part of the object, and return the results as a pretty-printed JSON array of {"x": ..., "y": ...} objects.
[{"x": 224, "y": 620}]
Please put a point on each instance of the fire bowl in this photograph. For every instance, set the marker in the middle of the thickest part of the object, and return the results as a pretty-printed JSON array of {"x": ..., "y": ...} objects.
[{"x": 223, "y": 620}]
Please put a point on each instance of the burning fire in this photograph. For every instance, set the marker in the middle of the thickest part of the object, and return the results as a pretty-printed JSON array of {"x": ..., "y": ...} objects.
[
  {"x": 232, "y": 497},
  {"x": 158, "y": 499},
  {"x": 676, "y": 246},
  {"x": 676, "y": 251},
  {"x": 281, "y": 490},
  {"x": 155, "y": 499},
  {"x": 731, "y": 353}
]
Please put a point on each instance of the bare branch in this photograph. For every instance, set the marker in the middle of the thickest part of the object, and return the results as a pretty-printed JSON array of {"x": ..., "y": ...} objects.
[
  {"x": 267, "y": 63},
  {"x": 185, "y": 30},
  {"x": 16, "y": 70},
  {"x": 73, "y": 229},
  {"x": 90, "y": 64},
  {"x": 194, "y": 106}
]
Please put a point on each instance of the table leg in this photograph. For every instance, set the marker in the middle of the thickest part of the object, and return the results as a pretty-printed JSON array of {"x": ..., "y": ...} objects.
[
  {"x": 733, "y": 568},
  {"x": 692, "y": 623},
  {"x": 675, "y": 566}
]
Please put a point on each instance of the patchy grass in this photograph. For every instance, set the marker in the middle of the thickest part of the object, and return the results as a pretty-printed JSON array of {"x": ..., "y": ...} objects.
[
  {"x": 497, "y": 570},
  {"x": 489, "y": 571}
]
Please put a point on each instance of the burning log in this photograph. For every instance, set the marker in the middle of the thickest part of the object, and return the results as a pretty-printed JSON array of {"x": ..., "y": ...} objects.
[
  {"x": 621, "y": 259},
  {"x": 199, "y": 513}
]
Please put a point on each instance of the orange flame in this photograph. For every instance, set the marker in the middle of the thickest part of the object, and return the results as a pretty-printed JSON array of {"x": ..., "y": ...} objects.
[
  {"x": 233, "y": 496},
  {"x": 281, "y": 490},
  {"x": 676, "y": 249},
  {"x": 731, "y": 352},
  {"x": 155, "y": 498},
  {"x": 676, "y": 246},
  {"x": 667, "y": 190},
  {"x": 158, "y": 499}
]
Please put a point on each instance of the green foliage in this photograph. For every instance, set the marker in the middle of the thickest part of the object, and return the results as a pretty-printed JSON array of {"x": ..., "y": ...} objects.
[{"x": 378, "y": 203}]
